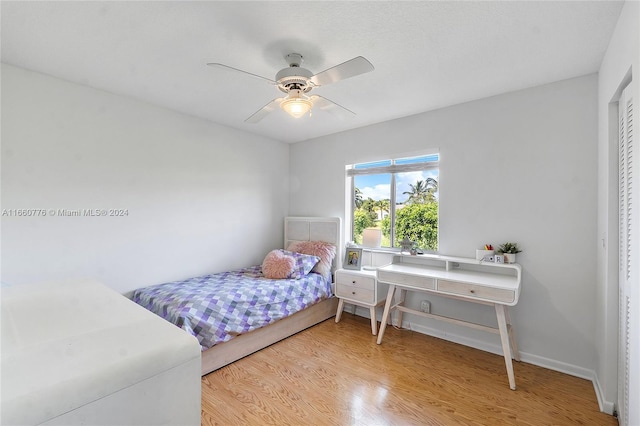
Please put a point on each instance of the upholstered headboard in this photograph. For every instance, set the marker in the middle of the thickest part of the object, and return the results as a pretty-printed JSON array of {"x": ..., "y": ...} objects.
[{"x": 327, "y": 229}]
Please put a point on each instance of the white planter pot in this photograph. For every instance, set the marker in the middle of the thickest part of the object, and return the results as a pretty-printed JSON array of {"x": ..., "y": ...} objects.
[{"x": 509, "y": 258}]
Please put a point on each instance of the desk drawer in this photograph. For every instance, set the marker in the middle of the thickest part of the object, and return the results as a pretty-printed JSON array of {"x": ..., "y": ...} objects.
[
  {"x": 355, "y": 293},
  {"x": 477, "y": 291},
  {"x": 353, "y": 280},
  {"x": 412, "y": 280}
]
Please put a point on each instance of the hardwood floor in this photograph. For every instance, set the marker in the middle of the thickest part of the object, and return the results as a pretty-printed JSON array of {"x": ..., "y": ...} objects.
[{"x": 335, "y": 374}]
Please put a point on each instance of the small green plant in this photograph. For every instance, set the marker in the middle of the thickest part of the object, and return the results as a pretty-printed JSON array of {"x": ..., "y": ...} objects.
[{"x": 509, "y": 248}]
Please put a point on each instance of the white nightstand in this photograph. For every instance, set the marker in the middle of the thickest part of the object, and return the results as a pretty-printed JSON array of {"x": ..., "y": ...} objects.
[{"x": 360, "y": 288}]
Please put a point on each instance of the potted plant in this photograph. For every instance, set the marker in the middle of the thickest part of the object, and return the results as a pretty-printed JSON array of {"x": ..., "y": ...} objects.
[{"x": 509, "y": 250}]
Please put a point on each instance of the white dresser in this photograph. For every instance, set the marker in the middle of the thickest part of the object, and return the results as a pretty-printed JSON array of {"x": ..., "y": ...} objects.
[{"x": 459, "y": 278}]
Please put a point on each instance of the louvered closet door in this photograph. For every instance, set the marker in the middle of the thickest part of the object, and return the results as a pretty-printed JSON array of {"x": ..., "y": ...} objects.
[{"x": 628, "y": 265}]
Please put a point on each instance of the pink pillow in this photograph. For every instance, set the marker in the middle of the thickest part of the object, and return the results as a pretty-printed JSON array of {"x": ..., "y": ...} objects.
[
  {"x": 277, "y": 265},
  {"x": 325, "y": 251}
]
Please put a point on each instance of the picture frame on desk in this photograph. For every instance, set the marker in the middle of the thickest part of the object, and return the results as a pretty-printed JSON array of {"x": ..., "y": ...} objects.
[{"x": 352, "y": 258}]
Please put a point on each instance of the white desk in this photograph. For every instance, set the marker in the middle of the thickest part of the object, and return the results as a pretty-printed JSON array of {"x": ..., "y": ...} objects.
[{"x": 465, "y": 279}]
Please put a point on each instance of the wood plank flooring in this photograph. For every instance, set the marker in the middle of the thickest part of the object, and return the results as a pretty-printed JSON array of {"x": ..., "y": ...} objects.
[{"x": 335, "y": 374}]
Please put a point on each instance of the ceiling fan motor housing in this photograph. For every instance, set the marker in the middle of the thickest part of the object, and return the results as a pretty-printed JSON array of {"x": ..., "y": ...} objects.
[{"x": 294, "y": 77}]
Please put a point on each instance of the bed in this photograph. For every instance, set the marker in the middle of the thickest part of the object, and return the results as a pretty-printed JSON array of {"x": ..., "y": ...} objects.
[{"x": 235, "y": 313}]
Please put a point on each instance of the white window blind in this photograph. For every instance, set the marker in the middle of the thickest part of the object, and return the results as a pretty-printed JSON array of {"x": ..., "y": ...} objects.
[{"x": 394, "y": 168}]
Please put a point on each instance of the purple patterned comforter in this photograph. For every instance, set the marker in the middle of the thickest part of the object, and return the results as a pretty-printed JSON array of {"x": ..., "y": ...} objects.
[{"x": 217, "y": 307}]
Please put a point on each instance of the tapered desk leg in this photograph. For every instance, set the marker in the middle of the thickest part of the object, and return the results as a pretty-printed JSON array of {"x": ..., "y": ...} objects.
[
  {"x": 512, "y": 335},
  {"x": 403, "y": 296},
  {"x": 504, "y": 338},
  {"x": 340, "y": 308},
  {"x": 374, "y": 321},
  {"x": 385, "y": 314}
]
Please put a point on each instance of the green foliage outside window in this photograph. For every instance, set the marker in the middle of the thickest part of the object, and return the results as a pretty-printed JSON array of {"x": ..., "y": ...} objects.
[
  {"x": 362, "y": 219},
  {"x": 418, "y": 222},
  {"x": 385, "y": 225}
]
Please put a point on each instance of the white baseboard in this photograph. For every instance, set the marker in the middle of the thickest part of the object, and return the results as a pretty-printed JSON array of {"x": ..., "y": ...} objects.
[
  {"x": 551, "y": 364},
  {"x": 605, "y": 406}
]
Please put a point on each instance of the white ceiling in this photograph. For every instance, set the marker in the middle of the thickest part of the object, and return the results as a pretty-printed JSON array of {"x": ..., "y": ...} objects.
[{"x": 427, "y": 55}]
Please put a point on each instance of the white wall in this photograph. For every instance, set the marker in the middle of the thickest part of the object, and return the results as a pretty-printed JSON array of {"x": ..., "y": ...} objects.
[
  {"x": 621, "y": 62},
  {"x": 516, "y": 167},
  {"x": 201, "y": 197}
]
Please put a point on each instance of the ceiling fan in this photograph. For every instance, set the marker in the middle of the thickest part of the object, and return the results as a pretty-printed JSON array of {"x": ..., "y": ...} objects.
[{"x": 296, "y": 81}]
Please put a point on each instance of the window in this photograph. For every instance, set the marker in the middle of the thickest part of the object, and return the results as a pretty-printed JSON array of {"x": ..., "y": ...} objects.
[{"x": 397, "y": 196}]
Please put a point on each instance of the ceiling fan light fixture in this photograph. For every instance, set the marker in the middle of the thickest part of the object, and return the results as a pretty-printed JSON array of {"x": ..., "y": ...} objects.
[{"x": 296, "y": 105}]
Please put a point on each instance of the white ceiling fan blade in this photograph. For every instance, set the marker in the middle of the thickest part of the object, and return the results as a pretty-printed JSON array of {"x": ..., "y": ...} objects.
[
  {"x": 331, "y": 107},
  {"x": 351, "y": 68},
  {"x": 264, "y": 111},
  {"x": 215, "y": 64}
]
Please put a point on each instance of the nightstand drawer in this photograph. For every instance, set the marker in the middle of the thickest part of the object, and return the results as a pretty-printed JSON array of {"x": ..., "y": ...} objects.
[
  {"x": 355, "y": 293},
  {"x": 353, "y": 280},
  {"x": 477, "y": 291}
]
